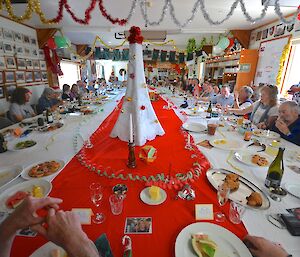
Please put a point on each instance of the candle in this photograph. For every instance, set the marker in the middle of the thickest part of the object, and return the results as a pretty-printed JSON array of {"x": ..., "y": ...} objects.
[
  {"x": 189, "y": 139},
  {"x": 130, "y": 129}
]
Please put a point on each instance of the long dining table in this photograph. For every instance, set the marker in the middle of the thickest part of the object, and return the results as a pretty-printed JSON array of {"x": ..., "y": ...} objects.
[{"x": 103, "y": 164}]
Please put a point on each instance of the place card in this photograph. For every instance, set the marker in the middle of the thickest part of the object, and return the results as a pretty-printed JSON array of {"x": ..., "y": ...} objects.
[
  {"x": 204, "y": 212},
  {"x": 84, "y": 215}
]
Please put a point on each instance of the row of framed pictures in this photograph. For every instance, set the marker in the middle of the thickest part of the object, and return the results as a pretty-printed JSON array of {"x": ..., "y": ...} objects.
[
  {"x": 9, "y": 48},
  {"x": 10, "y": 62},
  {"x": 22, "y": 76},
  {"x": 11, "y": 35}
]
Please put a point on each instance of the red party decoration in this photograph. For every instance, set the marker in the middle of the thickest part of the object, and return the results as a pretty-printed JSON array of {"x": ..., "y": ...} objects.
[
  {"x": 51, "y": 43},
  {"x": 131, "y": 75},
  {"x": 135, "y": 35},
  {"x": 231, "y": 42},
  {"x": 143, "y": 107}
]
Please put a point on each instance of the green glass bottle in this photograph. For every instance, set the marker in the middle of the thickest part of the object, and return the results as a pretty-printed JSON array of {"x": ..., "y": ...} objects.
[
  {"x": 275, "y": 171},
  {"x": 209, "y": 111}
]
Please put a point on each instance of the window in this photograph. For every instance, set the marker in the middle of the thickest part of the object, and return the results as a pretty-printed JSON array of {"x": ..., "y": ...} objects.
[{"x": 71, "y": 73}]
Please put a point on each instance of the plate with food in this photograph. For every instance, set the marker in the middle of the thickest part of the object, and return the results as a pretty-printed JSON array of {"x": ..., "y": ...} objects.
[
  {"x": 194, "y": 127},
  {"x": 51, "y": 127},
  {"x": 11, "y": 198},
  {"x": 241, "y": 190},
  {"x": 260, "y": 160},
  {"x": 226, "y": 144},
  {"x": 9, "y": 174},
  {"x": 266, "y": 134},
  {"x": 29, "y": 121},
  {"x": 207, "y": 239},
  {"x": 21, "y": 144},
  {"x": 194, "y": 112},
  {"x": 43, "y": 169},
  {"x": 153, "y": 195},
  {"x": 49, "y": 249}
]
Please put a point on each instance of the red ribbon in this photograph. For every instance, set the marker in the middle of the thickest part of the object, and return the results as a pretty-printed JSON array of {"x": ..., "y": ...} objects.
[{"x": 54, "y": 66}]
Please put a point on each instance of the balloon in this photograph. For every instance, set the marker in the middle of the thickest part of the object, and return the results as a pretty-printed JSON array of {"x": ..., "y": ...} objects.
[
  {"x": 61, "y": 42},
  {"x": 51, "y": 43},
  {"x": 223, "y": 43},
  {"x": 217, "y": 49}
]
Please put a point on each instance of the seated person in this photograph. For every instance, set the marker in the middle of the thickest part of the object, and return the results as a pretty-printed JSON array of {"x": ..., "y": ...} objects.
[
  {"x": 265, "y": 111},
  {"x": 208, "y": 93},
  {"x": 216, "y": 89},
  {"x": 66, "y": 92},
  {"x": 288, "y": 122},
  {"x": 63, "y": 228},
  {"x": 224, "y": 99},
  {"x": 48, "y": 100},
  {"x": 81, "y": 87},
  {"x": 20, "y": 108},
  {"x": 75, "y": 92},
  {"x": 91, "y": 87},
  {"x": 4, "y": 122}
]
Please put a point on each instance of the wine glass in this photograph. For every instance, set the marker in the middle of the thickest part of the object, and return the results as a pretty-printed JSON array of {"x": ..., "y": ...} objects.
[
  {"x": 222, "y": 194},
  {"x": 96, "y": 192}
]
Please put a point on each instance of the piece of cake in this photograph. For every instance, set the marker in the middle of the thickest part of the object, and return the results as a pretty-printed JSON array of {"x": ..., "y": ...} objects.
[{"x": 154, "y": 193}]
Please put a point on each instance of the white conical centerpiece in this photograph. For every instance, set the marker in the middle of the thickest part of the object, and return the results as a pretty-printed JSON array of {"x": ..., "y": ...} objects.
[{"x": 137, "y": 103}]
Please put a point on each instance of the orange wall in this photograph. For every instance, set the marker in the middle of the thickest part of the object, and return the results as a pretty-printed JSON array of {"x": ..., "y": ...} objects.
[{"x": 247, "y": 56}]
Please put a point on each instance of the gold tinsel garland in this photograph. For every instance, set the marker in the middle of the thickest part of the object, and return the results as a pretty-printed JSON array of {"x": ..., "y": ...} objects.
[{"x": 283, "y": 58}]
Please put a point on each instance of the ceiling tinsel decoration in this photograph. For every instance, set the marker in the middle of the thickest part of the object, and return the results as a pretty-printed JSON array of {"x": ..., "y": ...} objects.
[{"x": 34, "y": 6}]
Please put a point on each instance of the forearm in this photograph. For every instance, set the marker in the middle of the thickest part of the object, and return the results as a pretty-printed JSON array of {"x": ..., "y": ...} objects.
[
  {"x": 7, "y": 235},
  {"x": 83, "y": 247}
]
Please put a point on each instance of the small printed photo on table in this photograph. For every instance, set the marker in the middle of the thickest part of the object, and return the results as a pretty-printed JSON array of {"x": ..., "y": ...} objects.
[
  {"x": 18, "y": 37},
  {"x": 20, "y": 76},
  {"x": 29, "y": 76},
  {"x": 10, "y": 62},
  {"x": 8, "y": 48},
  {"x": 10, "y": 76},
  {"x": 21, "y": 63},
  {"x": 27, "y": 232},
  {"x": 8, "y": 34},
  {"x": 138, "y": 225},
  {"x": 2, "y": 63}
]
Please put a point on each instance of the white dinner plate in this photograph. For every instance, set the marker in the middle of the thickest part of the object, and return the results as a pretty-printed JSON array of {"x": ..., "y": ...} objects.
[
  {"x": 246, "y": 158},
  {"x": 266, "y": 134},
  {"x": 11, "y": 146},
  {"x": 197, "y": 112},
  {"x": 293, "y": 189},
  {"x": 25, "y": 175},
  {"x": 226, "y": 144},
  {"x": 8, "y": 174},
  {"x": 229, "y": 245},
  {"x": 145, "y": 197},
  {"x": 194, "y": 127},
  {"x": 26, "y": 186},
  {"x": 45, "y": 250},
  {"x": 217, "y": 176}
]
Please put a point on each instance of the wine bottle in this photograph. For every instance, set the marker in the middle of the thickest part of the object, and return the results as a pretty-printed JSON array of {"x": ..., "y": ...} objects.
[
  {"x": 49, "y": 116},
  {"x": 275, "y": 171},
  {"x": 209, "y": 111}
]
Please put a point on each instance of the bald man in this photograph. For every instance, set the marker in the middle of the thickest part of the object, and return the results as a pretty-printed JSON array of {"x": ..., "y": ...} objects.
[{"x": 288, "y": 122}]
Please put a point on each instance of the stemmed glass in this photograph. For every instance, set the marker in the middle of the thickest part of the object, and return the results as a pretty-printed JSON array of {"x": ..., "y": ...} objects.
[
  {"x": 96, "y": 192},
  {"x": 223, "y": 194}
]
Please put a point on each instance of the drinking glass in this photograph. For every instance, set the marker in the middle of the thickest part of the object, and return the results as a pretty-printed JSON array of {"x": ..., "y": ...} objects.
[
  {"x": 96, "y": 192},
  {"x": 236, "y": 212},
  {"x": 116, "y": 204},
  {"x": 222, "y": 194}
]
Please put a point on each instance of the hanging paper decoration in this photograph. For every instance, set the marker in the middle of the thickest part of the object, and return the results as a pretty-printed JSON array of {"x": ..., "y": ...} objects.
[
  {"x": 107, "y": 54},
  {"x": 116, "y": 55},
  {"x": 190, "y": 56},
  {"x": 51, "y": 43},
  {"x": 54, "y": 63},
  {"x": 181, "y": 57},
  {"x": 155, "y": 54},
  {"x": 61, "y": 42},
  {"x": 223, "y": 43},
  {"x": 172, "y": 56},
  {"x": 163, "y": 55},
  {"x": 97, "y": 55},
  {"x": 87, "y": 49},
  {"x": 125, "y": 54}
]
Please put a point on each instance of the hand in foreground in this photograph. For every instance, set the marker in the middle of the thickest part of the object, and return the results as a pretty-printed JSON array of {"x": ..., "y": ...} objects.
[
  {"x": 262, "y": 125},
  {"x": 64, "y": 229},
  {"x": 219, "y": 106},
  {"x": 281, "y": 125},
  {"x": 261, "y": 247},
  {"x": 25, "y": 215}
]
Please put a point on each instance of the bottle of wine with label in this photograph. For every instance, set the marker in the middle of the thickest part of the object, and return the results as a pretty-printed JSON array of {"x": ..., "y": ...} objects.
[
  {"x": 275, "y": 171},
  {"x": 209, "y": 111}
]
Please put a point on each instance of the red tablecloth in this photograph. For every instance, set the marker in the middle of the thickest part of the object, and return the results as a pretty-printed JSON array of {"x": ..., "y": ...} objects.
[{"x": 72, "y": 185}]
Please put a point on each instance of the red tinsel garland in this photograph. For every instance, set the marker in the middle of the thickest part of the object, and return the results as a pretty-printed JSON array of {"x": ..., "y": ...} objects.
[
  {"x": 54, "y": 66},
  {"x": 87, "y": 16},
  {"x": 135, "y": 35}
]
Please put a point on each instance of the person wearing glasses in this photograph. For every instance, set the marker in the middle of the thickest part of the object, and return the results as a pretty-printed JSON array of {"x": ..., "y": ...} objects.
[
  {"x": 264, "y": 112},
  {"x": 20, "y": 108}
]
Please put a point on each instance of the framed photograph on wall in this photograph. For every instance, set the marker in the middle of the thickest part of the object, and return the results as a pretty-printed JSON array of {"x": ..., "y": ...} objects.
[
  {"x": 27, "y": 51},
  {"x": 10, "y": 76},
  {"x": 43, "y": 65},
  {"x": 264, "y": 34},
  {"x": 26, "y": 39},
  {"x": 19, "y": 50},
  {"x": 34, "y": 52},
  {"x": 44, "y": 75},
  {"x": 33, "y": 41},
  {"x": 8, "y": 48},
  {"x": 258, "y": 36},
  {"x": 21, "y": 63},
  {"x": 18, "y": 37},
  {"x": 28, "y": 76},
  {"x": 2, "y": 63},
  {"x": 2, "y": 95},
  {"x": 1, "y": 48},
  {"x": 36, "y": 64},
  {"x": 1, "y": 33},
  {"x": 41, "y": 53},
  {"x": 20, "y": 76},
  {"x": 29, "y": 65},
  {"x": 1, "y": 77},
  {"x": 8, "y": 34},
  {"x": 37, "y": 76},
  {"x": 9, "y": 89},
  {"x": 279, "y": 30},
  {"x": 10, "y": 62}
]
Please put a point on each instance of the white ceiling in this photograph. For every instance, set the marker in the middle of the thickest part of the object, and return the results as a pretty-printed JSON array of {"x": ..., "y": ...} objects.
[{"x": 81, "y": 34}]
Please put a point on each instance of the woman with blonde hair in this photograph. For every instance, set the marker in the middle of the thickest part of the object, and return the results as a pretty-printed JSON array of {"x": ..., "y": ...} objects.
[{"x": 264, "y": 112}]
